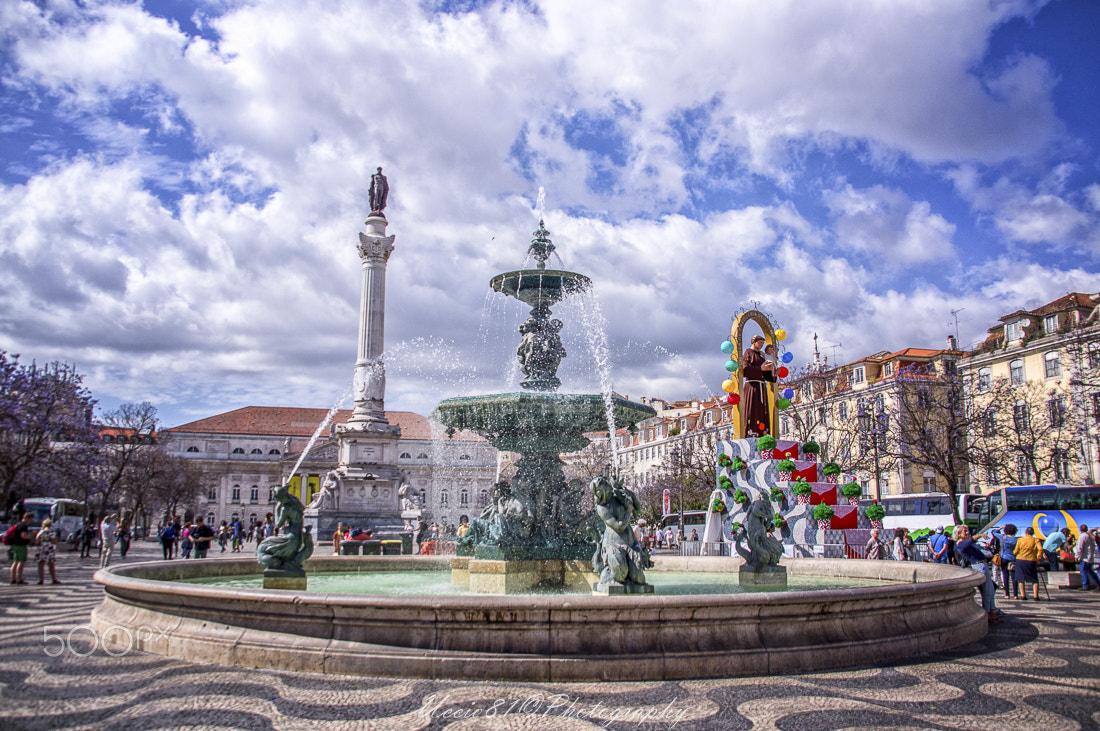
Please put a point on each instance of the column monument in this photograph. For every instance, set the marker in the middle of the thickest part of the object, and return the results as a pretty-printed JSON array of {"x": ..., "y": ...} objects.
[{"x": 363, "y": 489}]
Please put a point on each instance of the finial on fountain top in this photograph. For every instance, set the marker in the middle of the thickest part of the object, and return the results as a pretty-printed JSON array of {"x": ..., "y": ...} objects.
[{"x": 541, "y": 248}]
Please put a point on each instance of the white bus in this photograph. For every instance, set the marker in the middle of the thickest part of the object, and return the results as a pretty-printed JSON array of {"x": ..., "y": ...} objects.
[
  {"x": 67, "y": 515},
  {"x": 693, "y": 520},
  {"x": 927, "y": 510}
]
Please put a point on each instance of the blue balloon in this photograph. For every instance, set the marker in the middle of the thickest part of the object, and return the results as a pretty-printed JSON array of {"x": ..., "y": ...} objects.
[
  {"x": 731, "y": 365},
  {"x": 788, "y": 357},
  {"x": 788, "y": 393},
  {"x": 727, "y": 347}
]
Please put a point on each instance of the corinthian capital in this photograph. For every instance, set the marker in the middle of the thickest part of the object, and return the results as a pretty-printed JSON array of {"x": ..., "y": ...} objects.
[{"x": 375, "y": 248}]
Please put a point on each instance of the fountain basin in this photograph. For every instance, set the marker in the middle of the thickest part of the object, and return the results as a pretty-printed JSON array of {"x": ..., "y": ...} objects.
[
  {"x": 540, "y": 287},
  {"x": 541, "y": 638}
]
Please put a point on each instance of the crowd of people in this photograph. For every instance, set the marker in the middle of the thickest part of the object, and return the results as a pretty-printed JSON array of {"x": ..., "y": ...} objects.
[{"x": 193, "y": 540}]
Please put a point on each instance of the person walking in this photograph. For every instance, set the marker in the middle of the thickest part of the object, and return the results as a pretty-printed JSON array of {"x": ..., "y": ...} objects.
[
  {"x": 202, "y": 534},
  {"x": 167, "y": 536},
  {"x": 185, "y": 540},
  {"x": 46, "y": 540},
  {"x": 1008, "y": 558},
  {"x": 18, "y": 537},
  {"x": 87, "y": 537},
  {"x": 107, "y": 537},
  {"x": 900, "y": 553},
  {"x": 223, "y": 535},
  {"x": 876, "y": 549},
  {"x": 1086, "y": 559},
  {"x": 124, "y": 538},
  {"x": 1027, "y": 552}
]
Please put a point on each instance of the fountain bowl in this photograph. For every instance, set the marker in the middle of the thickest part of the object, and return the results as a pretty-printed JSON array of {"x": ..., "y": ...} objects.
[
  {"x": 928, "y": 608},
  {"x": 540, "y": 287}
]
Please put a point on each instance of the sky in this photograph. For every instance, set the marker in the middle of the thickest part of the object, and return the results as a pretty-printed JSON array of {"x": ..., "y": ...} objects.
[{"x": 182, "y": 184}]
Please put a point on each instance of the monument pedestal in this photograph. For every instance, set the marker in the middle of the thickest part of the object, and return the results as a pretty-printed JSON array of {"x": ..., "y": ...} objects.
[
  {"x": 482, "y": 576},
  {"x": 283, "y": 579},
  {"x": 621, "y": 589},
  {"x": 762, "y": 576}
]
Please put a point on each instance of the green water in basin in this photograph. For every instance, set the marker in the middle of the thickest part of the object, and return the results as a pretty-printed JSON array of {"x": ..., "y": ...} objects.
[{"x": 438, "y": 583}]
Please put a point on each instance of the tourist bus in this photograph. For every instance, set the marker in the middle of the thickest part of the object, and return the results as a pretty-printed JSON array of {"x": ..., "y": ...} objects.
[
  {"x": 693, "y": 520},
  {"x": 67, "y": 516},
  {"x": 927, "y": 510},
  {"x": 1046, "y": 508}
]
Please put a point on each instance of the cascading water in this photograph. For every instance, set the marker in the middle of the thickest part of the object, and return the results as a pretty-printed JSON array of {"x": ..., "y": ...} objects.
[{"x": 321, "y": 427}]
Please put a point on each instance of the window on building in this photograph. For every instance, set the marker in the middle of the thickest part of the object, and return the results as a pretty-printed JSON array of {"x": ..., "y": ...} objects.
[
  {"x": 254, "y": 494},
  {"x": 989, "y": 422},
  {"x": 858, "y": 375},
  {"x": 212, "y": 495},
  {"x": 211, "y": 519},
  {"x": 274, "y": 451},
  {"x": 236, "y": 493},
  {"x": 1016, "y": 372},
  {"x": 1014, "y": 331},
  {"x": 465, "y": 456},
  {"x": 422, "y": 455},
  {"x": 1020, "y": 418},
  {"x": 464, "y": 498},
  {"x": 405, "y": 455},
  {"x": 1096, "y": 407},
  {"x": 271, "y": 494},
  {"x": 1056, "y": 411},
  {"x": 928, "y": 483},
  {"x": 1060, "y": 462},
  {"x": 1023, "y": 471},
  {"x": 1052, "y": 363},
  {"x": 708, "y": 418},
  {"x": 238, "y": 450},
  {"x": 1094, "y": 355},
  {"x": 423, "y": 497},
  {"x": 257, "y": 451},
  {"x": 483, "y": 497},
  {"x": 888, "y": 370},
  {"x": 444, "y": 498},
  {"x": 784, "y": 424},
  {"x": 1050, "y": 324},
  {"x": 842, "y": 410},
  {"x": 985, "y": 379},
  {"x": 191, "y": 449}
]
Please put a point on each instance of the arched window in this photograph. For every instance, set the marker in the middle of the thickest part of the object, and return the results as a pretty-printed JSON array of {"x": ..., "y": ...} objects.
[
  {"x": 1052, "y": 362},
  {"x": 444, "y": 498},
  {"x": 274, "y": 451},
  {"x": 238, "y": 450},
  {"x": 405, "y": 455},
  {"x": 465, "y": 456},
  {"x": 483, "y": 497},
  {"x": 1016, "y": 377},
  {"x": 271, "y": 494},
  {"x": 423, "y": 497},
  {"x": 212, "y": 496},
  {"x": 254, "y": 494},
  {"x": 236, "y": 493},
  {"x": 192, "y": 448},
  {"x": 422, "y": 455},
  {"x": 257, "y": 451},
  {"x": 210, "y": 518},
  {"x": 985, "y": 379},
  {"x": 464, "y": 497}
]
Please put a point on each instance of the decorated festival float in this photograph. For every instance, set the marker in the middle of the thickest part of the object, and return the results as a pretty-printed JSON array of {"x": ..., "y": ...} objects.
[{"x": 762, "y": 481}]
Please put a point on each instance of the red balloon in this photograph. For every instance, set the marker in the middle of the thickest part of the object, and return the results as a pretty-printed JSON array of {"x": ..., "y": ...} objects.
[
  {"x": 733, "y": 399},
  {"x": 783, "y": 372}
]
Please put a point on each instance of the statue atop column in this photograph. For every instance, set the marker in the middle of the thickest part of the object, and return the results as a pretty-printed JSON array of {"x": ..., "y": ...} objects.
[{"x": 379, "y": 191}]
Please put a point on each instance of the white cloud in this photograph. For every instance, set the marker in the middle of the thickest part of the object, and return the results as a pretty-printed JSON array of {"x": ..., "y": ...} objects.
[{"x": 887, "y": 226}]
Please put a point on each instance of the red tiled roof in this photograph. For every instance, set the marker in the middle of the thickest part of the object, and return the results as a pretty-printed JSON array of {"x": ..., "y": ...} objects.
[{"x": 286, "y": 421}]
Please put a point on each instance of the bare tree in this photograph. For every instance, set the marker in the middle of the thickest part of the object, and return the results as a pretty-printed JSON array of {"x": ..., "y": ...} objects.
[
  {"x": 136, "y": 425},
  {"x": 1026, "y": 432}
]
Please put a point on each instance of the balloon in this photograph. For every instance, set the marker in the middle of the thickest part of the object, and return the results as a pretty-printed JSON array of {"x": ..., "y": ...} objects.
[
  {"x": 780, "y": 334},
  {"x": 733, "y": 399},
  {"x": 782, "y": 372},
  {"x": 731, "y": 365},
  {"x": 788, "y": 357},
  {"x": 729, "y": 386},
  {"x": 727, "y": 347},
  {"x": 788, "y": 393},
  {"x": 783, "y": 403}
]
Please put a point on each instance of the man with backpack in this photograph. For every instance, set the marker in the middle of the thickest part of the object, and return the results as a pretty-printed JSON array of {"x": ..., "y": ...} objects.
[
  {"x": 18, "y": 537},
  {"x": 167, "y": 536},
  {"x": 202, "y": 535}
]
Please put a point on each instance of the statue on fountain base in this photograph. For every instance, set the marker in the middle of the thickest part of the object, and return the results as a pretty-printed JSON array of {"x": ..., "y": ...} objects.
[{"x": 620, "y": 560}]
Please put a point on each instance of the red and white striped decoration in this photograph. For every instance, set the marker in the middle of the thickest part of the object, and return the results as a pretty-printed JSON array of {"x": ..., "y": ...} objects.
[
  {"x": 876, "y": 524},
  {"x": 785, "y": 475},
  {"x": 803, "y": 499},
  {"x": 766, "y": 453},
  {"x": 823, "y": 524},
  {"x": 853, "y": 501},
  {"x": 832, "y": 478}
]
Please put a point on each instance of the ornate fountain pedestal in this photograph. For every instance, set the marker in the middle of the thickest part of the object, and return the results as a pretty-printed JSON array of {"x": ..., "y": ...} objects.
[
  {"x": 486, "y": 576},
  {"x": 290, "y": 580},
  {"x": 762, "y": 575}
]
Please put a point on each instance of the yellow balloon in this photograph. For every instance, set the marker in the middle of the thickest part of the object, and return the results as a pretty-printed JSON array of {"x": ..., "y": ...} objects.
[
  {"x": 780, "y": 334},
  {"x": 729, "y": 386}
]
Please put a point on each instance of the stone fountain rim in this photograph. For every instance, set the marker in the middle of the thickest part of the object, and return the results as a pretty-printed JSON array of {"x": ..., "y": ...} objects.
[{"x": 906, "y": 580}]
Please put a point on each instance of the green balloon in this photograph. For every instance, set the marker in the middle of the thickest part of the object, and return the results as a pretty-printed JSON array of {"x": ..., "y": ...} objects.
[{"x": 731, "y": 365}]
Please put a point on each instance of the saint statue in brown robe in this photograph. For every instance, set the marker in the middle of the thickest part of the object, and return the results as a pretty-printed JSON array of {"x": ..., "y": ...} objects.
[{"x": 755, "y": 405}]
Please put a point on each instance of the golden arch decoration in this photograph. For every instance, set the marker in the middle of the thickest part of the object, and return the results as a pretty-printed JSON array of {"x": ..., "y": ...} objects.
[{"x": 737, "y": 337}]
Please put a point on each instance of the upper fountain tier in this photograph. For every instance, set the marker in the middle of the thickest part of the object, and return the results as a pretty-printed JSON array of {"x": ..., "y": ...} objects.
[{"x": 540, "y": 287}]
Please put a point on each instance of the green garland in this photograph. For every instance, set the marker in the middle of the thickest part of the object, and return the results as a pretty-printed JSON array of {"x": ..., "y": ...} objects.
[
  {"x": 766, "y": 442},
  {"x": 740, "y": 496},
  {"x": 811, "y": 447},
  {"x": 777, "y": 494},
  {"x": 724, "y": 460},
  {"x": 786, "y": 465},
  {"x": 823, "y": 512},
  {"x": 802, "y": 487},
  {"x": 832, "y": 468},
  {"x": 852, "y": 489},
  {"x": 875, "y": 512}
]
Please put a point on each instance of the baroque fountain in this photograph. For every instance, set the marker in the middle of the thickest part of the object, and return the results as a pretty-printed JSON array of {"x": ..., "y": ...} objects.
[
  {"x": 534, "y": 536},
  {"x": 535, "y": 532}
]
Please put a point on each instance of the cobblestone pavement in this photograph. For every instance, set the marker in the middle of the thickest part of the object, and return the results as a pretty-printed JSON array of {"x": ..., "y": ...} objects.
[{"x": 1038, "y": 670}]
